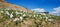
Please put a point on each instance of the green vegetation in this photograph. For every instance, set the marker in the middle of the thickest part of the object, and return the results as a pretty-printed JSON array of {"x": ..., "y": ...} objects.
[{"x": 15, "y": 18}]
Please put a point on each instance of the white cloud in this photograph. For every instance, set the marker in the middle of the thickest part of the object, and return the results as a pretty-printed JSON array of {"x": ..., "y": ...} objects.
[
  {"x": 38, "y": 10},
  {"x": 56, "y": 11}
]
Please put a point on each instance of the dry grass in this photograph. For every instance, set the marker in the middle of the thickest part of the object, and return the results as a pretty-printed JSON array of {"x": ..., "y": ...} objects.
[{"x": 27, "y": 23}]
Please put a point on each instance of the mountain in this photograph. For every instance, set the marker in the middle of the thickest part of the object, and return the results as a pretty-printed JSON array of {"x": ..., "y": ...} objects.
[
  {"x": 4, "y": 4},
  {"x": 15, "y": 16}
]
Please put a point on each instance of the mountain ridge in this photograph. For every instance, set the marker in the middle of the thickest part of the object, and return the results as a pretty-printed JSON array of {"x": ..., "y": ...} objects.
[{"x": 4, "y": 4}]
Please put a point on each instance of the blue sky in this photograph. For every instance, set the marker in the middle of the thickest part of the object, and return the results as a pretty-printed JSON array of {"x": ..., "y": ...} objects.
[{"x": 47, "y": 5}]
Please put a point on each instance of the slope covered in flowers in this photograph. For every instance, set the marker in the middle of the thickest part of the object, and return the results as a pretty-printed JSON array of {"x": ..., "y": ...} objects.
[{"x": 16, "y": 18}]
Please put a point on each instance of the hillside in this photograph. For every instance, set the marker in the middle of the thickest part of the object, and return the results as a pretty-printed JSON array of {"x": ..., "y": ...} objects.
[
  {"x": 4, "y": 4},
  {"x": 16, "y": 16}
]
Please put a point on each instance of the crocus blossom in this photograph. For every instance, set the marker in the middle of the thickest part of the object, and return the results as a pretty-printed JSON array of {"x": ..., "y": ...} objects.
[
  {"x": 11, "y": 15},
  {"x": 16, "y": 19},
  {"x": 21, "y": 18}
]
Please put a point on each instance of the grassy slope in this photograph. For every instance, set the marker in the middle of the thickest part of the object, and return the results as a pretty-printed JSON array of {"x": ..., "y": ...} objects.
[
  {"x": 6, "y": 21},
  {"x": 27, "y": 21}
]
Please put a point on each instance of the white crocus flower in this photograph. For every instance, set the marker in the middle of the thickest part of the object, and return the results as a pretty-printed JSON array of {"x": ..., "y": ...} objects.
[
  {"x": 7, "y": 13},
  {"x": 11, "y": 15},
  {"x": 16, "y": 13},
  {"x": 21, "y": 18},
  {"x": 16, "y": 19},
  {"x": 34, "y": 15},
  {"x": 50, "y": 20},
  {"x": 46, "y": 17},
  {"x": 24, "y": 15}
]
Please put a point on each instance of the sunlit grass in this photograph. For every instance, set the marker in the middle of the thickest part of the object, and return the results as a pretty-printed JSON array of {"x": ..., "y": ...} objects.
[{"x": 22, "y": 19}]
